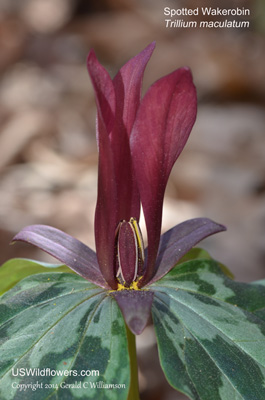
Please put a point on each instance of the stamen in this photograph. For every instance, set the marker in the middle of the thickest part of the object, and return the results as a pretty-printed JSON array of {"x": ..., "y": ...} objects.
[
  {"x": 130, "y": 252},
  {"x": 139, "y": 237}
]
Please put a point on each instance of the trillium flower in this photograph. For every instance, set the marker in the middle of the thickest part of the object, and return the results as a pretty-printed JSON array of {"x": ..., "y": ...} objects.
[{"x": 139, "y": 141}]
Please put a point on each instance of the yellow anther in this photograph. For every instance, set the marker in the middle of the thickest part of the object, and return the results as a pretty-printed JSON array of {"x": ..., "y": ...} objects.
[
  {"x": 133, "y": 286},
  {"x": 139, "y": 237}
]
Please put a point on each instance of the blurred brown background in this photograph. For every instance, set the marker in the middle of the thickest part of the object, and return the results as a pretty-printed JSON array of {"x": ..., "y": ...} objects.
[{"x": 48, "y": 156}]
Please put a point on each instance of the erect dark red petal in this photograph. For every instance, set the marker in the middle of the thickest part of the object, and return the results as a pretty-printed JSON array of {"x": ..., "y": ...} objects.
[
  {"x": 162, "y": 127},
  {"x": 118, "y": 196},
  {"x": 66, "y": 249},
  {"x": 106, "y": 209},
  {"x": 135, "y": 306},
  {"x": 127, "y": 84},
  {"x": 104, "y": 91},
  {"x": 176, "y": 242},
  {"x": 106, "y": 216}
]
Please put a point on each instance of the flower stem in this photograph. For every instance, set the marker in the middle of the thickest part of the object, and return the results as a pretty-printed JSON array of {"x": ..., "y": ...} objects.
[{"x": 134, "y": 388}]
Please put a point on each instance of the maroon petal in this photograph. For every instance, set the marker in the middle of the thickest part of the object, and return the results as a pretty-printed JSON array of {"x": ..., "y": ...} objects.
[
  {"x": 118, "y": 197},
  {"x": 66, "y": 249},
  {"x": 135, "y": 306},
  {"x": 162, "y": 127},
  {"x": 106, "y": 210},
  {"x": 104, "y": 90},
  {"x": 106, "y": 216},
  {"x": 127, "y": 84},
  {"x": 176, "y": 242}
]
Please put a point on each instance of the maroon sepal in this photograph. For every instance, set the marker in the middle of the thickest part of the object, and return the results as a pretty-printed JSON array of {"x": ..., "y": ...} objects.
[
  {"x": 176, "y": 242},
  {"x": 135, "y": 306},
  {"x": 75, "y": 254}
]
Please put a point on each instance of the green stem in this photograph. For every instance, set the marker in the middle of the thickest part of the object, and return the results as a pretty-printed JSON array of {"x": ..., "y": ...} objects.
[{"x": 134, "y": 388}]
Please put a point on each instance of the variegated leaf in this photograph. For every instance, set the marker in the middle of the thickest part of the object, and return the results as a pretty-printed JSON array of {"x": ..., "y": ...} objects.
[
  {"x": 55, "y": 328},
  {"x": 15, "y": 269},
  {"x": 211, "y": 332}
]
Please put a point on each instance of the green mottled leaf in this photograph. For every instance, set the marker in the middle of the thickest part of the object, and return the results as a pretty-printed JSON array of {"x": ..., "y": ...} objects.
[
  {"x": 16, "y": 269},
  {"x": 55, "y": 328},
  {"x": 211, "y": 332},
  {"x": 193, "y": 254},
  {"x": 197, "y": 253}
]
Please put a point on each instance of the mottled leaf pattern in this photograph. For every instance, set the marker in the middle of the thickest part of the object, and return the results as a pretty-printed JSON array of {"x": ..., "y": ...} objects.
[
  {"x": 211, "y": 332},
  {"x": 62, "y": 322},
  {"x": 15, "y": 269}
]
